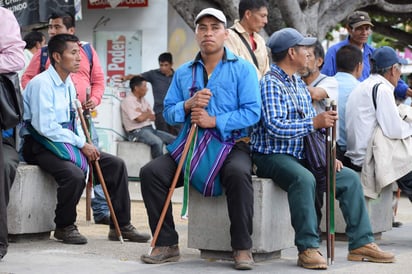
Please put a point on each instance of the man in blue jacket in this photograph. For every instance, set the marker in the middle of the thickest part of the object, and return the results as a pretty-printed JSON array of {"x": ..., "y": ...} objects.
[
  {"x": 359, "y": 27},
  {"x": 227, "y": 99}
]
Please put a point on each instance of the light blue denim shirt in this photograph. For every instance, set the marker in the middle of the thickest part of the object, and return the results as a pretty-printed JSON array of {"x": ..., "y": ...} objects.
[
  {"x": 236, "y": 100},
  {"x": 347, "y": 82},
  {"x": 47, "y": 102}
]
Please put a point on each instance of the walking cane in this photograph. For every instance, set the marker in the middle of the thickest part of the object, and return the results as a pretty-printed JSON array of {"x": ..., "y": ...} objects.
[
  {"x": 333, "y": 186},
  {"x": 89, "y": 185},
  {"x": 328, "y": 171},
  {"x": 99, "y": 173},
  {"x": 330, "y": 187},
  {"x": 173, "y": 186}
]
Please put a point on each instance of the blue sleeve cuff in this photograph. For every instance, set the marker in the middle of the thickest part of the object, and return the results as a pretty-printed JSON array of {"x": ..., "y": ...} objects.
[{"x": 400, "y": 90}]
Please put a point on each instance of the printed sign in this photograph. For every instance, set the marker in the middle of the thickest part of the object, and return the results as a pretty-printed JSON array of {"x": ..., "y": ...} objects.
[{"x": 103, "y": 4}]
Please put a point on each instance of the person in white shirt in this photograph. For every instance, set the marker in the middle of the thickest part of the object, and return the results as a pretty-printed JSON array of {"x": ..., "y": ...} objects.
[{"x": 362, "y": 115}]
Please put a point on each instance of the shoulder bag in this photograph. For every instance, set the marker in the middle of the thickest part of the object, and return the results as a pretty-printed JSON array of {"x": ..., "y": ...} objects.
[{"x": 11, "y": 101}]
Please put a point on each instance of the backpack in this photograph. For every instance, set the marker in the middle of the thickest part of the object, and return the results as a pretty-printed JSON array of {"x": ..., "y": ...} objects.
[{"x": 45, "y": 55}]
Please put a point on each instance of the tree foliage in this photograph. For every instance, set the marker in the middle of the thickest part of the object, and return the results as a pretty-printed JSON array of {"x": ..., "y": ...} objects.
[{"x": 317, "y": 17}]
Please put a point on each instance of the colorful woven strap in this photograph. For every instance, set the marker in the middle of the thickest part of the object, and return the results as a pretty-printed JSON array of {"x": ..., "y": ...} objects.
[{"x": 186, "y": 177}]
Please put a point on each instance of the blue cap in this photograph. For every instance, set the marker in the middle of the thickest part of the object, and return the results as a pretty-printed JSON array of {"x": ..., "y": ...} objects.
[
  {"x": 286, "y": 38},
  {"x": 385, "y": 57}
]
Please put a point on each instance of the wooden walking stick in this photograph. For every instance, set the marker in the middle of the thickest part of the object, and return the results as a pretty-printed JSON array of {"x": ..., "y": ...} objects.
[
  {"x": 333, "y": 186},
  {"x": 330, "y": 187},
  {"x": 89, "y": 187},
  {"x": 99, "y": 173},
  {"x": 328, "y": 171},
  {"x": 173, "y": 186},
  {"x": 89, "y": 184}
]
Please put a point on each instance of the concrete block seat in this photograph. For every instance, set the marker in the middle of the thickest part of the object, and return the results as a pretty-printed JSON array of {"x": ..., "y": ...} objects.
[
  {"x": 30, "y": 212},
  {"x": 208, "y": 228},
  {"x": 135, "y": 155}
]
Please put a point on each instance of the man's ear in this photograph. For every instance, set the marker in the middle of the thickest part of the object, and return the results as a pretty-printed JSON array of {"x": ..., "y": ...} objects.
[
  {"x": 320, "y": 62},
  {"x": 71, "y": 31},
  {"x": 56, "y": 57},
  {"x": 359, "y": 69}
]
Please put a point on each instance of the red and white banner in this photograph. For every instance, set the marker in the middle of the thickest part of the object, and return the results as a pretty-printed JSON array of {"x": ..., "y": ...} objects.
[
  {"x": 116, "y": 59},
  {"x": 103, "y": 4}
]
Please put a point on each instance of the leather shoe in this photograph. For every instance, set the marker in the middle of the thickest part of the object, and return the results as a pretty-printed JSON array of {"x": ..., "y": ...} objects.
[
  {"x": 162, "y": 254},
  {"x": 129, "y": 232},
  {"x": 2, "y": 253},
  {"x": 371, "y": 253},
  {"x": 103, "y": 221},
  {"x": 311, "y": 258},
  {"x": 70, "y": 235},
  {"x": 396, "y": 224},
  {"x": 243, "y": 259}
]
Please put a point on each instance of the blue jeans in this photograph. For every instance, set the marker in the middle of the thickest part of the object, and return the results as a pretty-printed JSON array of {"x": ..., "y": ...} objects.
[
  {"x": 99, "y": 204},
  {"x": 152, "y": 137}
]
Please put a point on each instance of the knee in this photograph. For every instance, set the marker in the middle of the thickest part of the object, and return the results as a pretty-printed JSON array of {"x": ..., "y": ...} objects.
[
  {"x": 306, "y": 182},
  {"x": 146, "y": 172}
]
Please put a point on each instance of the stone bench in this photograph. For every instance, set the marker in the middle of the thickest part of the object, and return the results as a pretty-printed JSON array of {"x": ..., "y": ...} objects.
[
  {"x": 208, "y": 228},
  {"x": 30, "y": 212},
  {"x": 135, "y": 155},
  {"x": 379, "y": 210}
]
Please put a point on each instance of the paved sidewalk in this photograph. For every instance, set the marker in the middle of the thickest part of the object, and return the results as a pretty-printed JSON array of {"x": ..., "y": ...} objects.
[{"x": 103, "y": 256}]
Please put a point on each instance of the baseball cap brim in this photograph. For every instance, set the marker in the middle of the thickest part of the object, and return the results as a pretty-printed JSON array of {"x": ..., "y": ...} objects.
[
  {"x": 307, "y": 41},
  {"x": 361, "y": 23}
]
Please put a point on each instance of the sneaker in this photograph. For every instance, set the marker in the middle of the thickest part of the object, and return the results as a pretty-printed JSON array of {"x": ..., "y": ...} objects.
[
  {"x": 70, "y": 235},
  {"x": 162, "y": 254},
  {"x": 311, "y": 258},
  {"x": 243, "y": 259},
  {"x": 370, "y": 253},
  {"x": 103, "y": 221},
  {"x": 129, "y": 232}
]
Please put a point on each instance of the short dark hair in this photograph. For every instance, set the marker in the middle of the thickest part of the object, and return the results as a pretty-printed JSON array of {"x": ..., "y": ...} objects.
[
  {"x": 32, "y": 38},
  {"x": 136, "y": 81},
  {"x": 279, "y": 56},
  {"x": 67, "y": 18},
  {"x": 166, "y": 57},
  {"x": 318, "y": 51},
  {"x": 58, "y": 43},
  {"x": 348, "y": 57},
  {"x": 245, "y": 5}
]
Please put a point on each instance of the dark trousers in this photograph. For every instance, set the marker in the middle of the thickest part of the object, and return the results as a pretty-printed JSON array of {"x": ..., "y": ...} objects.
[
  {"x": 71, "y": 182},
  {"x": 9, "y": 161},
  {"x": 156, "y": 178}
]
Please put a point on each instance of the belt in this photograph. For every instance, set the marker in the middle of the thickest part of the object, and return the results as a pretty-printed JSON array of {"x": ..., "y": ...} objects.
[{"x": 244, "y": 139}]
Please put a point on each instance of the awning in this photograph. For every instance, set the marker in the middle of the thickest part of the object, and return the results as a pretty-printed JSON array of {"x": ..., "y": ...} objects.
[
  {"x": 29, "y": 12},
  {"x": 104, "y": 4}
]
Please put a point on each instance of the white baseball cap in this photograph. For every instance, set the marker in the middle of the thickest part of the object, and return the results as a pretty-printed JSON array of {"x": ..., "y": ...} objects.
[{"x": 218, "y": 14}]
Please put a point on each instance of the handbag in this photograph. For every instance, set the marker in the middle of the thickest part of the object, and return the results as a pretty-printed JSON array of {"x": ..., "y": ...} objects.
[
  {"x": 11, "y": 100},
  {"x": 315, "y": 152},
  {"x": 204, "y": 160}
]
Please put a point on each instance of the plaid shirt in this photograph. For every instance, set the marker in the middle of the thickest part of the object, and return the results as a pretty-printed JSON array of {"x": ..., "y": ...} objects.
[{"x": 281, "y": 127}]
